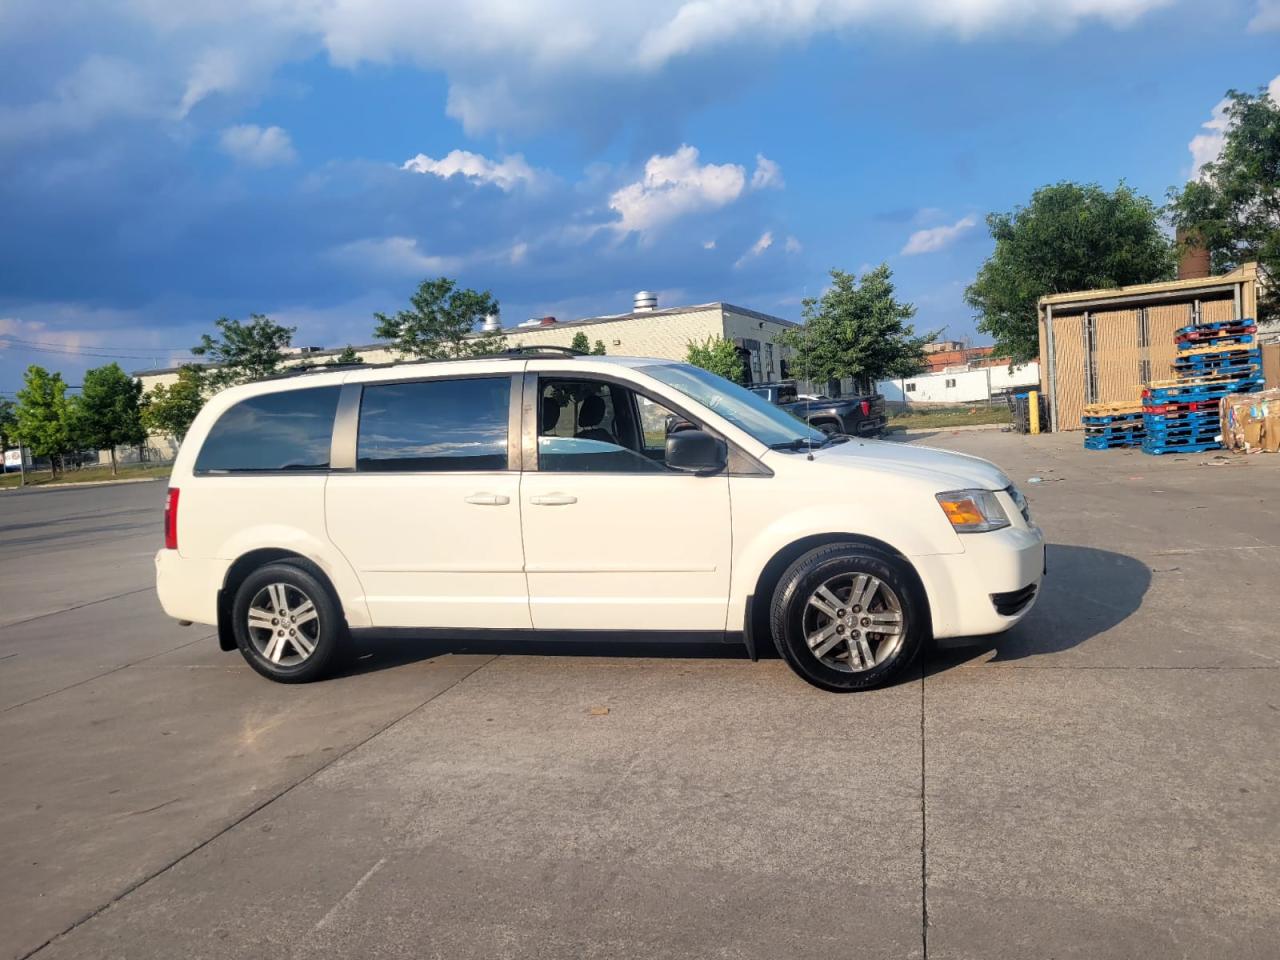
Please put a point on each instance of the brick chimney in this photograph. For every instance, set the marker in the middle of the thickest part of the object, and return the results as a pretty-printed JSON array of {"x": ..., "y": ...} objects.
[{"x": 1193, "y": 258}]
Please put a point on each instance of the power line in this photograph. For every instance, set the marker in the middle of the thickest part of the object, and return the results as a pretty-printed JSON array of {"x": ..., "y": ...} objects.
[{"x": 68, "y": 350}]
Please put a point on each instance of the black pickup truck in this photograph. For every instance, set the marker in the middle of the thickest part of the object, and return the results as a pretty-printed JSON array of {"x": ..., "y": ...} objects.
[{"x": 857, "y": 416}]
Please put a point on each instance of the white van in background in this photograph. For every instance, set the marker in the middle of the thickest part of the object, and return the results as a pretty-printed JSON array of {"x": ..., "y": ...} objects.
[{"x": 576, "y": 496}]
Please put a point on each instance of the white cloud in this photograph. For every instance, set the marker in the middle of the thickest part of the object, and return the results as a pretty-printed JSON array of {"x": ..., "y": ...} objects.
[
  {"x": 757, "y": 248},
  {"x": 526, "y": 63},
  {"x": 1206, "y": 147},
  {"x": 674, "y": 186},
  {"x": 1267, "y": 18},
  {"x": 506, "y": 174},
  {"x": 767, "y": 174},
  {"x": 100, "y": 90},
  {"x": 257, "y": 146},
  {"x": 792, "y": 245},
  {"x": 936, "y": 238},
  {"x": 396, "y": 256}
]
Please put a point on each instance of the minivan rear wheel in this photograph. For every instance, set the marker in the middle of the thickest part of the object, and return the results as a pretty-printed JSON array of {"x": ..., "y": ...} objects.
[
  {"x": 287, "y": 624},
  {"x": 847, "y": 617}
]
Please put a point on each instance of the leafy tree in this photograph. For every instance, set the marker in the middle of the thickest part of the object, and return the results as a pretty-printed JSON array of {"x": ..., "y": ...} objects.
[
  {"x": 580, "y": 343},
  {"x": 598, "y": 349},
  {"x": 720, "y": 357},
  {"x": 1069, "y": 237},
  {"x": 856, "y": 329},
  {"x": 43, "y": 415},
  {"x": 170, "y": 409},
  {"x": 107, "y": 414},
  {"x": 440, "y": 322},
  {"x": 1233, "y": 208},
  {"x": 245, "y": 351},
  {"x": 347, "y": 356},
  {"x": 8, "y": 424}
]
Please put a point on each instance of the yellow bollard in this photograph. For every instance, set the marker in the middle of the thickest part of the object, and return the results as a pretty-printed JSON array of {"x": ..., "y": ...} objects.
[{"x": 1033, "y": 410}]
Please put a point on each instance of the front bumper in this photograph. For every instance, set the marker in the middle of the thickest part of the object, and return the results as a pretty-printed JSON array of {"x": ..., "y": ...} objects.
[{"x": 984, "y": 590}]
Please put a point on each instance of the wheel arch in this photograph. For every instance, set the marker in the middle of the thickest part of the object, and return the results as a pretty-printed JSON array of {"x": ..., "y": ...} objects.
[
  {"x": 244, "y": 565},
  {"x": 762, "y": 593}
]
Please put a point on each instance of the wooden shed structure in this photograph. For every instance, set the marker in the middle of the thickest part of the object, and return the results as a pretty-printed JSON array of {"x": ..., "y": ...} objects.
[{"x": 1104, "y": 346}]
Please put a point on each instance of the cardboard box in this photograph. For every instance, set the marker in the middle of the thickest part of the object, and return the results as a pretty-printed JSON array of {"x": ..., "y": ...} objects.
[{"x": 1251, "y": 421}]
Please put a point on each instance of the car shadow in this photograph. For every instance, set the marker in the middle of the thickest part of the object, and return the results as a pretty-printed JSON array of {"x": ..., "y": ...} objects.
[{"x": 1085, "y": 593}]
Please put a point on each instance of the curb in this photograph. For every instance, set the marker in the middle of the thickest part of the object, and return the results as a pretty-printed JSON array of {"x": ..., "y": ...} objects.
[{"x": 51, "y": 487}]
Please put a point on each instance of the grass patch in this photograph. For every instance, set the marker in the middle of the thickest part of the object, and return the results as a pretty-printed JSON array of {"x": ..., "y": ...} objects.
[
  {"x": 959, "y": 415},
  {"x": 130, "y": 471}
]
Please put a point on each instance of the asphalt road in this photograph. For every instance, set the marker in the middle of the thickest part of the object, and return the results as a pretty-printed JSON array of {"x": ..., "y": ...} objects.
[{"x": 1103, "y": 781}]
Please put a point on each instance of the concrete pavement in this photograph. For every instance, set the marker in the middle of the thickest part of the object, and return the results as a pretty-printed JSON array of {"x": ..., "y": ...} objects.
[{"x": 1100, "y": 782}]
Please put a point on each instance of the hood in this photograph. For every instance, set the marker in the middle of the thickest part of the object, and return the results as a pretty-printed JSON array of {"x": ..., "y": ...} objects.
[{"x": 948, "y": 470}]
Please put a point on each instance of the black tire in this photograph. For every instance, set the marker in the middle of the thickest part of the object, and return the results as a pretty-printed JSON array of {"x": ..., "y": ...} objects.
[
  {"x": 827, "y": 427},
  {"x": 329, "y": 634},
  {"x": 792, "y": 595}
]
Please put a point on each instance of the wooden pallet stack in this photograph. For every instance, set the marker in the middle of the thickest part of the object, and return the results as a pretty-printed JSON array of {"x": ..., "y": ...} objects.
[
  {"x": 1108, "y": 425},
  {"x": 1214, "y": 359}
]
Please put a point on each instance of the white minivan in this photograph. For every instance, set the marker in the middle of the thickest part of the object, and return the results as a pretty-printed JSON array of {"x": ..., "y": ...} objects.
[{"x": 572, "y": 496}]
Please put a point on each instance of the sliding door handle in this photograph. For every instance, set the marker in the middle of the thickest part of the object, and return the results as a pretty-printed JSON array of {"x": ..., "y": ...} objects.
[
  {"x": 488, "y": 499},
  {"x": 553, "y": 500}
]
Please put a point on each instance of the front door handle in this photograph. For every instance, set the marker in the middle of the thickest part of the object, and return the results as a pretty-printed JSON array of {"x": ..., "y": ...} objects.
[
  {"x": 488, "y": 499},
  {"x": 554, "y": 500}
]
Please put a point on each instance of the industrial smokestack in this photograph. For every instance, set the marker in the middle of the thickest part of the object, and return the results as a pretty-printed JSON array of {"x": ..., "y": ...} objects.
[
  {"x": 491, "y": 324},
  {"x": 645, "y": 302},
  {"x": 1193, "y": 258}
]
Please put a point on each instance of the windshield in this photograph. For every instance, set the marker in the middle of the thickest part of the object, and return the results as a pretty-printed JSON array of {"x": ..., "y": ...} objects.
[{"x": 738, "y": 405}]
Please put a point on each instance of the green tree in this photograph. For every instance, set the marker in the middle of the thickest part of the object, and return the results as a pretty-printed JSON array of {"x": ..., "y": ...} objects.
[
  {"x": 598, "y": 349},
  {"x": 170, "y": 409},
  {"x": 580, "y": 343},
  {"x": 107, "y": 413},
  {"x": 856, "y": 329},
  {"x": 441, "y": 322},
  {"x": 244, "y": 351},
  {"x": 719, "y": 356},
  {"x": 8, "y": 424},
  {"x": 1233, "y": 207},
  {"x": 347, "y": 356},
  {"x": 1069, "y": 237},
  {"x": 44, "y": 415}
]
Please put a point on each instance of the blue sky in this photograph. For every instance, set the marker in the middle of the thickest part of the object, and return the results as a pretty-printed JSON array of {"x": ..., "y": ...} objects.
[{"x": 164, "y": 164}]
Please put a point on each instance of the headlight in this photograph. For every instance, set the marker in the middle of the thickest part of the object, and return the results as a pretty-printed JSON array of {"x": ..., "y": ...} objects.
[{"x": 973, "y": 511}]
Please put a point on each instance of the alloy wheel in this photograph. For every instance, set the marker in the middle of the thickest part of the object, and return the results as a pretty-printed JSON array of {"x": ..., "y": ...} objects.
[
  {"x": 284, "y": 624},
  {"x": 853, "y": 622}
]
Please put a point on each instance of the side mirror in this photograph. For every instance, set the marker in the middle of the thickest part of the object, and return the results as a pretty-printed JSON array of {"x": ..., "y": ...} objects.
[{"x": 696, "y": 451}]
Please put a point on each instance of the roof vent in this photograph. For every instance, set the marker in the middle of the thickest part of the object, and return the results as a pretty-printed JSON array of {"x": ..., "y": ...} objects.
[
  {"x": 546, "y": 321},
  {"x": 645, "y": 301},
  {"x": 491, "y": 324}
]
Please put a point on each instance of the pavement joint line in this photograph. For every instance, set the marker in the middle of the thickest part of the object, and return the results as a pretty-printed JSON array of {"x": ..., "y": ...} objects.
[
  {"x": 255, "y": 809},
  {"x": 106, "y": 673},
  {"x": 78, "y": 606},
  {"x": 924, "y": 834},
  {"x": 1010, "y": 666}
]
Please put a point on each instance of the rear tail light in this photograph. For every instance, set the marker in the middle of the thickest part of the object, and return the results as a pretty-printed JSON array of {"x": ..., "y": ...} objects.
[
  {"x": 866, "y": 408},
  {"x": 171, "y": 520}
]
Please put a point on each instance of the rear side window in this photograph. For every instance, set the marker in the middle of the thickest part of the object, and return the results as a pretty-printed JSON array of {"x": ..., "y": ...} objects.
[
  {"x": 290, "y": 430},
  {"x": 435, "y": 425}
]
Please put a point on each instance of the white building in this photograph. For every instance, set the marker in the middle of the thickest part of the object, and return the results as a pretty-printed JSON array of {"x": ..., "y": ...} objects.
[{"x": 962, "y": 384}]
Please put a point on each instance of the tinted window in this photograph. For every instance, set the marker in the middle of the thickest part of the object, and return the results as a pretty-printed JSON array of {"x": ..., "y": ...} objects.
[
  {"x": 435, "y": 425},
  {"x": 290, "y": 430},
  {"x": 588, "y": 426}
]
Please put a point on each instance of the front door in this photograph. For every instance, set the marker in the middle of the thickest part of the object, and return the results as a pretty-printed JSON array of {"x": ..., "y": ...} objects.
[
  {"x": 614, "y": 539},
  {"x": 430, "y": 517}
]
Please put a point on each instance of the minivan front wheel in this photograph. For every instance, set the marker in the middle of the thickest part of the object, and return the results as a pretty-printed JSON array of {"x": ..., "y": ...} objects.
[
  {"x": 287, "y": 625},
  {"x": 847, "y": 617}
]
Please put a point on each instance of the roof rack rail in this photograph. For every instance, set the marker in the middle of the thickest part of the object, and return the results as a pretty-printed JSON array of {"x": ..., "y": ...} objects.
[
  {"x": 512, "y": 353},
  {"x": 535, "y": 350}
]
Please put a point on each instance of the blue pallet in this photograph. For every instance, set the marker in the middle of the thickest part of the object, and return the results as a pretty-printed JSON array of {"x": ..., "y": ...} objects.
[
  {"x": 1180, "y": 448},
  {"x": 1112, "y": 421},
  {"x": 1237, "y": 341},
  {"x": 1227, "y": 352},
  {"x": 1110, "y": 443},
  {"x": 1215, "y": 326},
  {"x": 1206, "y": 391}
]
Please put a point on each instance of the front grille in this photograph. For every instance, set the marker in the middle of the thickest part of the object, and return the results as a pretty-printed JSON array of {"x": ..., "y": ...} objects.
[{"x": 1007, "y": 604}]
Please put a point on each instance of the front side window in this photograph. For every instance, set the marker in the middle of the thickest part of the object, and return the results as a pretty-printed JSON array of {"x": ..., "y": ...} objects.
[
  {"x": 289, "y": 430},
  {"x": 435, "y": 425},
  {"x": 769, "y": 424},
  {"x": 591, "y": 426}
]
